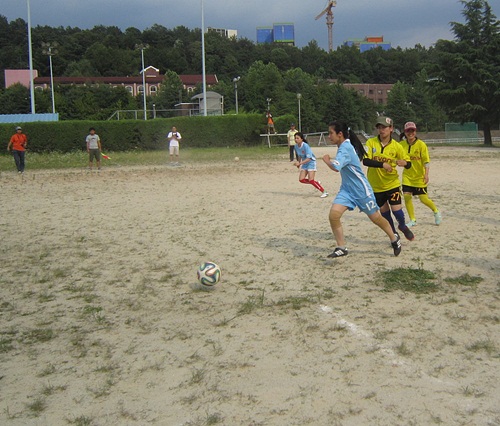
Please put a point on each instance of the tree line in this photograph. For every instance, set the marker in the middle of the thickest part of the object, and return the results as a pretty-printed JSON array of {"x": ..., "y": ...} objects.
[{"x": 452, "y": 80}]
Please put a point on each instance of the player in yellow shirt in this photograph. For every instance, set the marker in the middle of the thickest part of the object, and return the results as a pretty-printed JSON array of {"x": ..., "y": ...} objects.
[
  {"x": 383, "y": 155},
  {"x": 416, "y": 178}
]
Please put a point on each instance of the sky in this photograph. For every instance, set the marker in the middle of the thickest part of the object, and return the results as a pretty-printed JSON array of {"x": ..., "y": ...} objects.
[{"x": 403, "y": 23}]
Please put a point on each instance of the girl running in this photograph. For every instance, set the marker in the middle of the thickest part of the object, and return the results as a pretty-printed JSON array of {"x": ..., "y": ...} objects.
[
  {"x": 383, "y": 156},
  {"x": 355, "y": 191},
  {"x": 416, "y": 178},
  {"x": 307, "y": 163}
]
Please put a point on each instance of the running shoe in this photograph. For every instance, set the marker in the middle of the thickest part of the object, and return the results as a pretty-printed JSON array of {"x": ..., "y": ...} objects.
[
  {"x": 407, "y": 233},
  {"x": 437, "y": 218},
  {"x": 338, "y": 252},
  {"x": 396, "y": 245},
  {"x": 324, "y": 195},
  {"x": 411, "y": 223}
]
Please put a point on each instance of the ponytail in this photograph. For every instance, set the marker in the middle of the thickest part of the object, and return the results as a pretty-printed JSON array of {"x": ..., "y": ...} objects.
[{"x": 341, "y": 127}]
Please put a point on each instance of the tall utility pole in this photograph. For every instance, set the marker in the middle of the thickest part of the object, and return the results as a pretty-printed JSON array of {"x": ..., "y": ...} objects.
[
  {"x": 141, "y": 47},
  {"x": 203, "y": 59},
  {"x": 50, "y": 50},
  {"x": 30, "y": 50},
  {"x": 235, "y": 81}
]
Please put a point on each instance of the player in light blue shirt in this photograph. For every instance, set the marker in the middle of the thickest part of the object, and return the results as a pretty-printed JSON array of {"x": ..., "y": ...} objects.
[
  {"x": 307, "y": 163},
  {"x": 355, "y": 191}
]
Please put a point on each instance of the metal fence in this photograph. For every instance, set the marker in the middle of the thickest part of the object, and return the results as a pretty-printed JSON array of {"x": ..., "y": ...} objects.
[
  {"x": 321, "y": 138},
  {"x": 138, "y": 114}
]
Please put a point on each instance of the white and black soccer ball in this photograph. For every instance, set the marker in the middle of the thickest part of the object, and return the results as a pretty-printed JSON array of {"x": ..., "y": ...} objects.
[{"x": 209, "y": 274}]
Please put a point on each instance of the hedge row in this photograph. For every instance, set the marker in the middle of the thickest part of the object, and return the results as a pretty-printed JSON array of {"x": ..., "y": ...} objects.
[{"x": 126, "y": 135}]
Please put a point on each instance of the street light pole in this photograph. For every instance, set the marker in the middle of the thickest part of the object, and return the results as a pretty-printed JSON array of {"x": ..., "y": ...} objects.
[
  {"x": 299, "y": 97},
  {"x": 30, "y": 52},
  {"x": 49, "y": 49},
  {"x": 142, "y": 47},
  {"x": 203, "y": 59},
  {"x": 235, "y": 81}
]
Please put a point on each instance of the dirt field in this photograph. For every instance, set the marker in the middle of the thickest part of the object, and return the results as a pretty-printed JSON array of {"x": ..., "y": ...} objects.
[{"x": 102, "y": 324}]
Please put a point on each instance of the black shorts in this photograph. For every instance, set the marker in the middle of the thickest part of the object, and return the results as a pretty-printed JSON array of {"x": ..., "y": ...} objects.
[
  {"x": 413, "y": 190},
  {"x": 393, "y": 196}
]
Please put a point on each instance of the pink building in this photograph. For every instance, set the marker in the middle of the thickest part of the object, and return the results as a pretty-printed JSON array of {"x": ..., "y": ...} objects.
[{"x": 19, "y": 76}]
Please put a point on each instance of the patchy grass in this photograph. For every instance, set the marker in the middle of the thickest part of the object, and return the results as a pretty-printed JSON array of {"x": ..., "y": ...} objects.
[
  {"x": 482, "y": 345},
  {"x": 38, "y": 335},
  {"x": 413, "y": 280},
  {"x": 465, "y": 280},
  {"x": 79, "y": 159},
  {"x": 37, "y": 406}
]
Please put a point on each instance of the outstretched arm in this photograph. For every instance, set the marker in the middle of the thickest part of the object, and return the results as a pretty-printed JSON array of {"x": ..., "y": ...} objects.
[{"x": 328, "y": 161}]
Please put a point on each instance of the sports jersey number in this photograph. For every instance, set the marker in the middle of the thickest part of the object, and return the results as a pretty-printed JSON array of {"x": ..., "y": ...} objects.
[
  {"x": 370, "y": 205},
  {"x": 396, "y": 196}
]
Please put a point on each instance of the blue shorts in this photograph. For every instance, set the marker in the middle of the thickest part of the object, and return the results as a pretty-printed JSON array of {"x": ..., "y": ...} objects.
[
  {"x": 310, "y": 166},
  {"x": 366, "y": 204}
]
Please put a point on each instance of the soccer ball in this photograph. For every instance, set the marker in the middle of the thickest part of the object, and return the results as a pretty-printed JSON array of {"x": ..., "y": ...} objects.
[
  {"x": 236, "y": 159},
  {"x": 208, "y": 274}
]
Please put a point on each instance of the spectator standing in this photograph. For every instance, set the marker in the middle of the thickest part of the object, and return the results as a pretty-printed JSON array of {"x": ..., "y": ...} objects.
[
  {"x": 291, "y": 142},
  {"x": 174, "y": 137},
  {"x": 94, "y": 148},
  {"x": 270, "y": 123},
  {"x": 18, "y": 143}
]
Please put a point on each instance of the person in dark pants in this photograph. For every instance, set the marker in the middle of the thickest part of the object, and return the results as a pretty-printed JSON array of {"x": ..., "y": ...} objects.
[
  {"x": 18, "y": 143},
  {"x": 291, "y": 142}
]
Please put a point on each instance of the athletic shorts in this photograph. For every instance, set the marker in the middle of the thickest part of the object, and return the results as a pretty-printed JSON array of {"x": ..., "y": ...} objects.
[
  {"x": 174, "y": 150},
  {"x": 413, "y": 190},
  {"x": 94, "y": 153},
  {"x": 367, "y": 204},
  {"x": 393, "y": 196},
  {"x": 310, "y": 166}
]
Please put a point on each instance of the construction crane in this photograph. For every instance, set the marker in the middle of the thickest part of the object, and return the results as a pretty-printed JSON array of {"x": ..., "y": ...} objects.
[{"x": 329, "y": 21}]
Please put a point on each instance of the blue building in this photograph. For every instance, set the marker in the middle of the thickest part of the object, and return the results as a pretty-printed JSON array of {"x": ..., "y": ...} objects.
[
  {"x": 280, "y": 32},
  {"x": 265, "y": 35}
]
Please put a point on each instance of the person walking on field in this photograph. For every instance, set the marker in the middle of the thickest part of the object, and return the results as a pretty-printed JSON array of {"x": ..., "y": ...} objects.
[
  {"x": 94, "y": 148},
  {"x": 383, "y": 155},
  {"x": 355, "y": 191},
  {"x": 416, "y": 178},
  {"x": 307, "y": 163},
  {"x": 291, "y": 141},
  {"x": 18, "y": 143},
  {"x": 174, "y": 137}
]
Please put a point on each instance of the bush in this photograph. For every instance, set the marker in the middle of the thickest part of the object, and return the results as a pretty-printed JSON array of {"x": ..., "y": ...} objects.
[{"x": 126, "y": 135}]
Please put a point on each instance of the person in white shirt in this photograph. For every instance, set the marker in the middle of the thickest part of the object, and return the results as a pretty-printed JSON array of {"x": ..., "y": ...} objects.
[{"x": 174, "y": 137}]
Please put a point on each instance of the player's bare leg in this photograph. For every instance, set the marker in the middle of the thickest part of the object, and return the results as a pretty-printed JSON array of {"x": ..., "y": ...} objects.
[{"x": 334, "y": 216}]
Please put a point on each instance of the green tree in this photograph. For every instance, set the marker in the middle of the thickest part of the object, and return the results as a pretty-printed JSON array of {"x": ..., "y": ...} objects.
[
  {"x": 82, "y": 68},
  {"x": 399, "y": 107},
  {"x": 170, "y": 92},
  {"x": 262, "y": 81},
  {"x": 15, "y": 100},
  {"x": 466, "y": 72}
]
